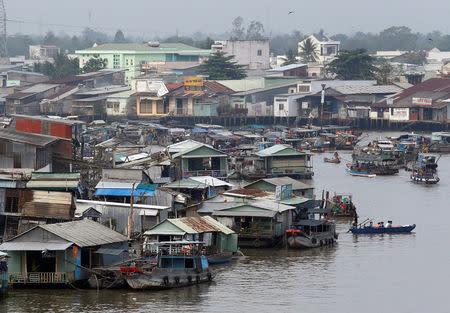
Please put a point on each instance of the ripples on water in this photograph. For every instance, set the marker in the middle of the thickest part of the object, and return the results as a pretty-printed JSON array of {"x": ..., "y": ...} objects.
[{"x": 393, "y": 273}]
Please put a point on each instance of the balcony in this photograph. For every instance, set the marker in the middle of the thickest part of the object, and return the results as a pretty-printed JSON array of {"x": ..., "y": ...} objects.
[
  {"x": 213, "y": 173},
  {"x": 41, "y": 278}
]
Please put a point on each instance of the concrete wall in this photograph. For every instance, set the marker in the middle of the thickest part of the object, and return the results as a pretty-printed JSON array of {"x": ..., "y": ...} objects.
[
  {"x": 399, "y": 114},
  {"x": 253, "y": 53}
]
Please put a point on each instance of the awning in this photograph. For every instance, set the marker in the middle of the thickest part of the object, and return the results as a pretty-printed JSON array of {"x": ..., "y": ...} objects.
[
  {"x": 35, "y": 246},
  {"x": 110, "y": 251},
  {"x": 148, "y": 212},
  {"x": 164, "y": 233},
  {"x": 123, "y": 192}
]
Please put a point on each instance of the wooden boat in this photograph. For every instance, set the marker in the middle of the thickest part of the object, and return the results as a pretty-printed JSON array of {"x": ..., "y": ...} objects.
[
  {"x": 428, "y": 178},
  {"x": 220, "y": 258},
  {"x": 311, "y": 234},
  {"x": 360, "y": 174},
  {"x": 332, "y": 160},
  {"x": 382, "y": 230},
  {"x": 179, "y": 264}
]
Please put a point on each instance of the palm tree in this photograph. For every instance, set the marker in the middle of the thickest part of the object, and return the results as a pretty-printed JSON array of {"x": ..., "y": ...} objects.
[
  {"x": 290, "y": 58},
  {"x": 308, "y": 51}
]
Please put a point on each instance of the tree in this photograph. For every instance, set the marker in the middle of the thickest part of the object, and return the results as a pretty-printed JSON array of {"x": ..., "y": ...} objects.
[
  {"x": 50, "y": 38},
  {"x": 255, "y": 31},
  {"x": 291, "y": 57},
  {"x": 62, "y": 67},
  {"x": 119, "y": 37},
  {"x": 220, "y": 66},
  {"x": 418, "y": 58},
  {"x": 94, "y": 65},
  {"x": 205, "y": 44},
  {"x": 308, "y": 51},
  {"x": 384, "y": 73},
  {"x": 238, "y": 31},
  {"x": 353, "y": 64}
]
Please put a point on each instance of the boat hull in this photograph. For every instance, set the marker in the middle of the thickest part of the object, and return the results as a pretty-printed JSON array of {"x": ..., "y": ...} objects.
[
  {"x": 385, "y": 230},
  {"x": 174, "y": 278},
  {"x": 305, "y": 242},
  {"x": 360, "y": 174},
  {"x": 328, "y": 160},
  {"x": 424, "y": 180}
]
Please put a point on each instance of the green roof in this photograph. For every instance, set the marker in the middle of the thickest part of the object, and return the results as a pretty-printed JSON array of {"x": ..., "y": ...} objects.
[
  {"x": 294, "y": 200},
  {"x": 145, "y": 48},
  {"x": 279, "y": 150},
  {"x": 200, "y": 150},
  {"x": 123, "y": 94},
  {"x": 186, "y": 183}
]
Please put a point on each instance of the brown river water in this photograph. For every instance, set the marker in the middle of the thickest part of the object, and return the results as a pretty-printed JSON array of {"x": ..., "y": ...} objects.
[{"x": 400, "y": 273}]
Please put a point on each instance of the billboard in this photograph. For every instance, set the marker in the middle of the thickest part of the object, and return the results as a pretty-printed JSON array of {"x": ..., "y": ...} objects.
[
  {"x": 283, "y": 192},
  {"x": 193, "y": 84},
  {"x": 426, "y": 102}
]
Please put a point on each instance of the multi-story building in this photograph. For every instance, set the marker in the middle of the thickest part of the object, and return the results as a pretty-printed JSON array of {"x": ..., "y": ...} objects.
[
  {"x": 135, "y": 57},
  {"x": 254, "y": 54},
  {"x": 41, "y": 52},
  {"x": 326, "y": 48}
]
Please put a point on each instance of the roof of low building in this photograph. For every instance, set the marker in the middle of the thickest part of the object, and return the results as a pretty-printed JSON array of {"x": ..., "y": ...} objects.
[
  {"x": 85, "y": 233},
  {"x": 279, "y": 150},
  {"x": 54, "y": 180},
  {"x": 286, "y": 67},
  {"x": 48, "y": 119},
  {"x": 212, "y": 152},
  {"x": 211, "y": 181},
  {"x": 144, "y": 47},
  {"x": 378, "y": 89},
  {"x": 186, "y": 183},
  {"x": 183, "y": 145},
  {"x": 190, "y": 225},
  {"x": 27, "y": 138},
  {"x": 285, "y": 180},
  {"x": 20, "y": 95},
  {"x": 438, "y": 89}
]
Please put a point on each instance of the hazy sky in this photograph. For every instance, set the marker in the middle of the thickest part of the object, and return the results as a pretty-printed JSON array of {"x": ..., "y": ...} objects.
[{"x": 162, "y": 18}]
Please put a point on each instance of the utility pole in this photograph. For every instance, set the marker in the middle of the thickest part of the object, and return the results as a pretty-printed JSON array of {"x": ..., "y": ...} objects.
[
  {"x": 130, "y": 218},
  {"x": 322, "y": 100},
  {"x": 3, "y": 35}
]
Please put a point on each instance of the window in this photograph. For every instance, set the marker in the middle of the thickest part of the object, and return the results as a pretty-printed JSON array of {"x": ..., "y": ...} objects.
[
  {"x": 146, "y": 106},
  {"x": 11, "y": 205},
  {"x": 131, "y": 62},
  {"x": 281, "y": 106},
  {"x": 259, "y": 52},
  {"x": 126, "y": 62},
  {"x": 330, "y": 50},
  {"x": 17, "y": 160},
  {"x": 116, "y": 61}
]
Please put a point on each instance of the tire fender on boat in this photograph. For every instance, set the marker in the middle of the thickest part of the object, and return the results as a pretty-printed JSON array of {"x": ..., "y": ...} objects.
[
  {"x": 197, "y": 279},
  {"x": 166, "y": 280},
  {"x": 177, "y": 280},
  {"x": 209, "y": 276},
  {"x": 189, "y": 278}
]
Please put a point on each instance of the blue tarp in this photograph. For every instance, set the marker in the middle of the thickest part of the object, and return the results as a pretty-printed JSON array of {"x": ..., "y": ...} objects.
[
  {"x": 199, "y": 130},
  {"x": 258, "y": 126},
  {"x": 123, "y": 192}
]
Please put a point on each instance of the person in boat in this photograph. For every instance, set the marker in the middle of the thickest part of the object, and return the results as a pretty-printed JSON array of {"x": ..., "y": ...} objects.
[
  {"x": 370, "y": 224},
  {"x": 389, "y": 224},
  {"x": 378, "y": 225},
  {"x": 382, "y": 225}
]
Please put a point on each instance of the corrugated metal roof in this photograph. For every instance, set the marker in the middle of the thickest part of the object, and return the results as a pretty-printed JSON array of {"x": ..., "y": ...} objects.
[
  {"x": 277, "y": 148},
  {"x": 214, "y": 152},
  {"x": 186, "y": 183},
  {"x": 85, "y": 233},
  {"x": 191, "y": 225},
  {"x": 34, "y": 246},
  {"x": 161, "y": 48},
  {"x": 379, "y": 89},
  {"x": 54, "y": 180},
  {"x": 27, "y": 138},
  {"x": 285, "y": 180},
  {"x": 211, "y": 181},
  {"x": 265, "y": 213},
  {"x": 286, "y": 68},
  {"x": 183, "y": 145}
]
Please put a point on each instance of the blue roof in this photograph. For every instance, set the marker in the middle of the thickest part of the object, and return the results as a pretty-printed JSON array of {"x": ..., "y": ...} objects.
[{"x": 123, "y": 192}]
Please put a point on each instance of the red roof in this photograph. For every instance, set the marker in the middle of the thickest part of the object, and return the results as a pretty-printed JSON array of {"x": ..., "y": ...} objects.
[
  {"x": 432, "y": 84},
  {"x": 218, "y": 87},
  {"x": 20, "y": 95},
  {"x": 171, "y": 87}
]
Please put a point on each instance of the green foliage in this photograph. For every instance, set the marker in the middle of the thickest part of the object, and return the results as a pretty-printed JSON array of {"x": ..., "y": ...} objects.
[
  {"x": 291, "y": 57},
  {"x": 283, "y": 42},
  {"x": 255, "y": 31},
  {"x": 62, "y": 67},
  {"x": 353, "y": 64},
  {"x": 205, "y": 44},
  {"x": 220, "y": 66},
  {"x": 418, "y": 58},
  {"x": 94, "y": 65},
  {"x": 384, "y": 73},
  {"x": 119, "y": 37},
  {"x": 238, "y": 31},
  {"x": 308, "y": 51},
  {"x": 18, "y": 45}
]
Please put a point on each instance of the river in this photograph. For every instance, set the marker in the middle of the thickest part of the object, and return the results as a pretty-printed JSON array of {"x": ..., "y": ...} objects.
[{"x": 392, "y": 273}]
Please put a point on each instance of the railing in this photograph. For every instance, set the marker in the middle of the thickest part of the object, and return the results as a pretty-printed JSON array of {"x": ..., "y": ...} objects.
[
  {"x": 213, "y": 173},
  {"x": 40, "y": 278}
]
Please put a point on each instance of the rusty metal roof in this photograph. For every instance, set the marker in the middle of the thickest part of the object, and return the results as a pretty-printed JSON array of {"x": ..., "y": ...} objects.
[
  {"x": 27, "y": 138},
  {"x": 189, "y": 225}
]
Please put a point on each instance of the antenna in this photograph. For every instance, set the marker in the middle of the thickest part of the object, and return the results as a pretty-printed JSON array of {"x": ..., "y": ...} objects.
[{"x": 3, "y": 50}]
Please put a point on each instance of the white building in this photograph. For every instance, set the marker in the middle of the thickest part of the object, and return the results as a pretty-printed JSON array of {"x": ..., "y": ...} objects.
[
  {"x": 41, "y": 52},
  {"x": 326, "y": 49},
  {"x": 254, "y": 54}
]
